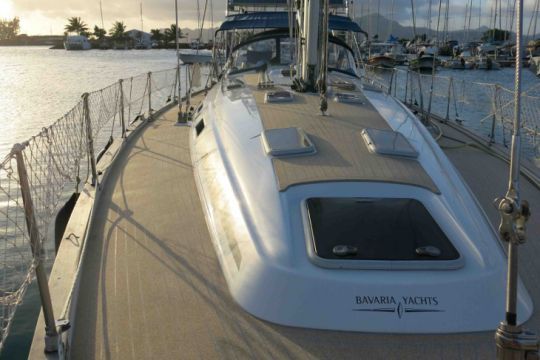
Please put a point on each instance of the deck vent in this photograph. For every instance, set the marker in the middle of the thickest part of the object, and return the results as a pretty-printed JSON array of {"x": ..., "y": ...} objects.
[
  {"x": 344, "y": 85},
  {"x": 287, "y": 142},
  {"x": 278, "y": 97},
  {"x": 388, "y": 142},
  {"x": 371, "y": 87},
  {"x": 348, "y": 98},
  {"x": 199, "y": 127},
  {"x": 234, "y": 84}
]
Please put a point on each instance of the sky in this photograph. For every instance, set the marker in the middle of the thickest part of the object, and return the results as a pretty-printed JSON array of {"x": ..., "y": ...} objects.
[
  {"x": 43, "y": 17},
  {"x": 49, "y": 16}
]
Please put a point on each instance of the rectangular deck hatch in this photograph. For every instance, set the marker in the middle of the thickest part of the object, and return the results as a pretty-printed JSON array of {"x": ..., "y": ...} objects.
[
  {"x": 345, "y": 232},
  {"x": 349, "y": 98},
  {"x": 281, "y": 96},
  {"x": 287, "y": 142},
  {"x": 388, "y": 142}
]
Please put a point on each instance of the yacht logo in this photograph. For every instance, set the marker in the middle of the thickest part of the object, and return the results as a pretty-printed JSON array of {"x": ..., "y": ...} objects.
[{"x": 398, "y": 305}]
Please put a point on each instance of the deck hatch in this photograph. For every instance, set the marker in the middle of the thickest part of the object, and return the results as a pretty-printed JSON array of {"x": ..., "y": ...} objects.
[
  {"x": 388, "y": 142},
  {"x": 348, "y": 98},
  {"x": 280, "y": 96},
  {"x": 287, "y": 142},
  {"x": 233, "y": 84},
  {"x": 343, "y": 85},
  {"x": 345, "y": 232}
]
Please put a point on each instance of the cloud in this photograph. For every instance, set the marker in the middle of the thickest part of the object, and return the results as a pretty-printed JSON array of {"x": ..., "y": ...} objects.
[{"x": 39, "y": 16}]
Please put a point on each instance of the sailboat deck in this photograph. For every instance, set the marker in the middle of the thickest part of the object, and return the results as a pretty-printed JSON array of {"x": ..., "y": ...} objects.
[
  {"x": 341, "y": 154},
  {"x": 152, "y": 286}
]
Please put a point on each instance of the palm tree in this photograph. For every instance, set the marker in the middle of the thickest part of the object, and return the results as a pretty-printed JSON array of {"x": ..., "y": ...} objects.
[
  {"x": 118, "y": 30},
  {"x": 156, "y": 35},
  {"x": 118, "y": 33},
  {"x": 76, "y": 25},
  {"x": 170, "y": 33},
  {"x": 99, "y": 33}
]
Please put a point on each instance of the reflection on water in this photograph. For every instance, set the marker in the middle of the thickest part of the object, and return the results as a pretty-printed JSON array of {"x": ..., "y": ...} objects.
[{"x": 38, "y": 85}]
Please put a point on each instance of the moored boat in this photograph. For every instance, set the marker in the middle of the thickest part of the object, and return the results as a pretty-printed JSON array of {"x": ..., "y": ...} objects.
[
  {"x": 381, "y": 61},
  {"x": 423, "y": 63},
  {"x": 77, "y": 42},
  {"x": 486, "y": 63}
]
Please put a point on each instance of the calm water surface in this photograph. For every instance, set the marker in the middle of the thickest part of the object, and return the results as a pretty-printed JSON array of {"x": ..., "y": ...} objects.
[{"x": 39, "y": 85}]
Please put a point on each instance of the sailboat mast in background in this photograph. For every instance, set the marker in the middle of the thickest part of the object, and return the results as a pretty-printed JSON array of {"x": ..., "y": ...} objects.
[
  {"x": 101, "y": 13},
  {"x": 142, "y": 25}
]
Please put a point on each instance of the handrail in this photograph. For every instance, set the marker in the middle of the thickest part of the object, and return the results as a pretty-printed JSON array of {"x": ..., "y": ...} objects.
[{"x": 470, "y": 104}]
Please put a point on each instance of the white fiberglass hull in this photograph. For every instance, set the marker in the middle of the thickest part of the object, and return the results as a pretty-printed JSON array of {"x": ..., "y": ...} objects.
[
  {"x": 196, "y": 56},
  {"x": 260, "y": 236}
]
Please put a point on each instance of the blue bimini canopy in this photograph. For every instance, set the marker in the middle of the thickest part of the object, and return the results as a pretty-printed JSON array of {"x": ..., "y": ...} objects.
[
  {"x": 280, "y": 20},
  {"x": 273, "y": 3}
]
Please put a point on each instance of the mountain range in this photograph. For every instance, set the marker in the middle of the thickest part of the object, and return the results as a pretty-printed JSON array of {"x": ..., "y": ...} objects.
[{"x": 373, "y": 23}]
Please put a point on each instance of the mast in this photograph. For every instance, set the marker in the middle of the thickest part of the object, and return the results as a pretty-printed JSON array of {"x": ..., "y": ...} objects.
[
  {"x": 413, "y": 19},
  {"x": 512, "y": 17},
  {"x": 369, "y": 18},
  {"x": 492, "y": 27},
  {"x": 446, "y": 12},
  {"x": 500, "y": 14},
  {"x": 480, "y": 15},
  {"x": 142, "y": 26},
  {"x": 378, "y": 17},
  {"x": 310, "y": 58},
  {"x": 466, "y": 33},
  {"x": 322, "y": 80},
  {"x": 495, "y": 11},
  {"x": 392, "y": 17},
  {"x": 535, "y": 18},
  {"x": 101, "y": 13},
  {"x": 429, "y": 20},
  {"x": 469, "y": 23},
  {"x": 513, "y": 342},
  {"x": 178, "y": 75}
]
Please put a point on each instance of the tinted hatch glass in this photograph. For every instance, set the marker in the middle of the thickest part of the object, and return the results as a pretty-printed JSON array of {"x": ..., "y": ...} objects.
[{"x": 376, "y": 229}]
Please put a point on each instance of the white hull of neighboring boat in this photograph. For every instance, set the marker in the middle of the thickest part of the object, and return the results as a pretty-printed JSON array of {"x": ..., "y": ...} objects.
[
  {"x": 486, "y": 64},
  {"x": 423, "y": 64},
  {"x": 381, "y": 61},
  {"x": 196, "y": 56},
  {"x": 77, "y": 43},
  {"x": 457, "y": 64},
  {"x": 260, "y": 238}
]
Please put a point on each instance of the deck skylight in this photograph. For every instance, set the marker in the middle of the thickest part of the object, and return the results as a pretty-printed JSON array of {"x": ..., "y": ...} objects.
[
  {"x": 388, "y": 142},
  {"x": 287, "y": 142}
]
